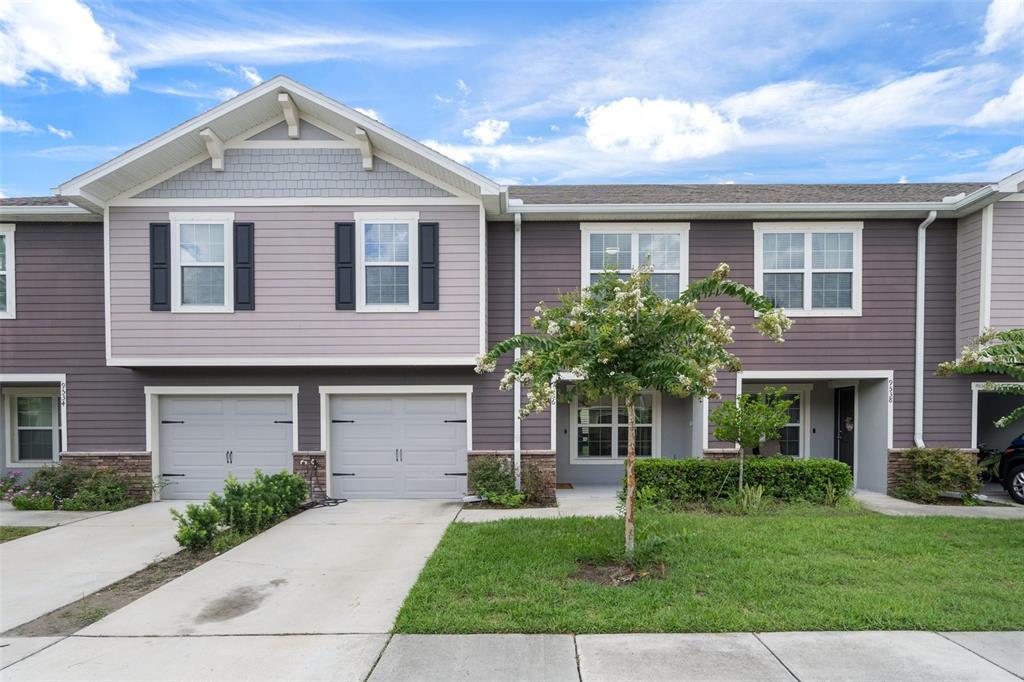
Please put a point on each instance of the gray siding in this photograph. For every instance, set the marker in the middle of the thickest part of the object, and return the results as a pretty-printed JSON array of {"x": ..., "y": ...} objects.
[
  {"x": 307, "y": 131},
  {"x": 295, "y": 315},
  {"x": 298, "y": 172},
  {"x": 968, "y": 278},
  {"x": 1007, "y": 302},
  {"x": 492, "y": 416}
]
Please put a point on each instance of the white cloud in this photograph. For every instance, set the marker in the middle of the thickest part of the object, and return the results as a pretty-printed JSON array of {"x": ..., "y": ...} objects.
[
  {"x": 59, "y": 132},
  {"x": 192, "y": 91},
  {"x": 79, "y": 152},
  {"x": 487, "y": 132},
  {"x": 1007, "y": 163},
  {"x": 669, "y": 129},
  {"x": 9, "y": 124},
  {"x": 903, "y": 180},
  {"x": 60, "y": 37},
  {"x": 1006, "y": 109},
  {"x": 1003, "y": 23},
  {"x": 463, "y": 88},
  {"x": 226, "y": 93},
  {"x": 251, "y": 75},
  {"x": 372, "y": 113},
  {"x": 443, "y": 100}
]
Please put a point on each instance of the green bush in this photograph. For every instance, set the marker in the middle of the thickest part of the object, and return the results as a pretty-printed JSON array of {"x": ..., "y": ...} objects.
[
  {"x": 198, "y": 526},
  {"x": 495, "y": 480},
  {"x": 938, "y": 470},
  {"x": 33, "y": 500},
  {"x": 703, "y": 480},
  {"x": 77, "y": 489}
]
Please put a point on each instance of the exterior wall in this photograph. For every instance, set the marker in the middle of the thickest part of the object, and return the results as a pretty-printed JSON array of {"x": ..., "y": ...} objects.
[
  {"x": 137, "y": 467},
  {"x": 1007, "y": 301},
  {"x": 296, "y": 172},
  {"x": 295, "y": 315},
  {"x": 492, "y": 416},
  {"x": 968, "y": 278}
]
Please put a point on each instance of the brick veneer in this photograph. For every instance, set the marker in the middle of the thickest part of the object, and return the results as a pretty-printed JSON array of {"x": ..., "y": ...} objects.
[
  {"x": 721, "y": 453},
  {"x": 539, "y": 463},
  {"x": 303, "y": 463},
  {"x": 136, "y": 466}
]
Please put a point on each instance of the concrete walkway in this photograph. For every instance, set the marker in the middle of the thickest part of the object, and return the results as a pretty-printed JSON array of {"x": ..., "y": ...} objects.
[
  {"x": 891, "y": 506},
  {"x": 579, "y": 501},
  {"x": 783, "y": 656},
  {"x": 9, "y": 516},
  {"x": 47, "y": 570}
]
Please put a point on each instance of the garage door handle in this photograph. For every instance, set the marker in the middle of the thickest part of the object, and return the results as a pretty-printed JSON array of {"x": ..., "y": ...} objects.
[
  {"x": 282, "y": 421},
  {"x": 171, "y": 421},
  {"x": 342, "y": 474},
  {"x": 170, "y": 475},
  {"x": 455, "y": 473},
  {"x": 343, "y": 421},
  {"x": 454, "y": 421}
]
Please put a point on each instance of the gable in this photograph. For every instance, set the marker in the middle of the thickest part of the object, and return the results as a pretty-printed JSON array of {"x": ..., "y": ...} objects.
[
  {"x": 307, "y": 131},
  {"x": 294, "y": 172}
]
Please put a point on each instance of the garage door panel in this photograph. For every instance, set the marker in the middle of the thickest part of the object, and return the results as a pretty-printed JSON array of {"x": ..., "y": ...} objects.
[
  {"x": 450, "y": 407},
  {"x": 367, "y": 407}
]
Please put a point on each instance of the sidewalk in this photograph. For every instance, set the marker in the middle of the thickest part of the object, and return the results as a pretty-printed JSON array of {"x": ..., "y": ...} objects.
[{"x": 891, "y": 506}]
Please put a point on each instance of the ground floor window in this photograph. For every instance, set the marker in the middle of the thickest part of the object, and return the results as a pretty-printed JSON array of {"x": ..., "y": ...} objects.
[
  {"x": 791, "y": 437},
  {"x": 602, "y": 432},
  {"x": 34, "y": 419}
]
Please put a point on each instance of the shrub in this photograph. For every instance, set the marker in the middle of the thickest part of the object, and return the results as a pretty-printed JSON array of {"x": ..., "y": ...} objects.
[
  {"x": 937, "y": 470},
  {"x": 9, "y": 485},
  {"x": 33, "y": 500},
  {"x": 495, "y": 480},
  {"x": 77, "y": 489},
  {"x": 198, "y": 526},
  {"x": 60, "y": 482},
  {"x": 703, "y": 480}
]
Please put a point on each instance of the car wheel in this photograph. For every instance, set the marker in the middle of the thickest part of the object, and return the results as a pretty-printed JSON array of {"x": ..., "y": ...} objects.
[{"x": 1014, "y": 483}]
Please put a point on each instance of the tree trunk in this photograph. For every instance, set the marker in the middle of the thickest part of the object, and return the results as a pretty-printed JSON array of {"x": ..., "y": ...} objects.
[{"x": 630, "y": 475}]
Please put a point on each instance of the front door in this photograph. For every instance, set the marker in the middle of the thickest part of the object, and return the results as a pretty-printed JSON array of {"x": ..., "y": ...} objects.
[{"x": 844, "y": 426}]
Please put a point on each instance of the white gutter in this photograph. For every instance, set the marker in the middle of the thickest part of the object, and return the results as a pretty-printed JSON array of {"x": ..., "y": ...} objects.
[
  {"x": 919, "y": 332},
  {"x": 517, "y": 328}
]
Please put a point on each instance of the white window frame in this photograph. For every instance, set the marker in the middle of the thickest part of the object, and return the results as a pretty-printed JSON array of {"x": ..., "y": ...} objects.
[
  {"x": 226, "y": 219},
  {"x": 12, "y": 429},
  {"x": 574, "y": 456},
  {"x": 7, "y": 234},
  {"x": 803, "y": 391},
  {"x": 808, "y": 229},
  {"x": 635, "y": 230},
  {"x": 412, "y": 218}
]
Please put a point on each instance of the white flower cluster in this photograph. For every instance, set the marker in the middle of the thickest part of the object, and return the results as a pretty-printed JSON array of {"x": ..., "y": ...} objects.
[
  {"x": 538, "y": 399},
  {"x": 485, "y": 363},
  {"x": 773, "y": 324}
]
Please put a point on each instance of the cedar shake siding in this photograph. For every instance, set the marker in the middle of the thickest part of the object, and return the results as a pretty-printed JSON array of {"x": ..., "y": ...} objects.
[
  {"x": 295, "y": 312},
  {"x": 1007, "y": 302},
  {"x": 968, "y": 279}
]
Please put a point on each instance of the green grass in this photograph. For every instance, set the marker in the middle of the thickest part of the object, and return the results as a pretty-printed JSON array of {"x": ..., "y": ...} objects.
[
  {"x": 791, "y": 569},
  {"x": 14, "y": 532}
]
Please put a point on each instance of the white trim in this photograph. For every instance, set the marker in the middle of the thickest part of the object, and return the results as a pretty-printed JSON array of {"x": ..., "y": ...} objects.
[
  {"x": 10, "y": 417},
  {"x": 656, "y": 428},
  {"x": 153, "y": 393},
  {"x": 483, "y": 280},
  {"x": 410, "y": 218},
  {"x": 426, "y": 389},
  {"x": 635, "y": 230},
  {"x": 7, "y": 231},
  {"x": 983, "y": 387},
  {"x": 803, "y": 393},
  {"x": 234, "y": 202},
  {"x": 299, "y": 361},
  {"x": 705, "y": 424},
  {"x": 985, "y": 309},
  {"x": 154, "y": 181},
  {"x": 61, "y": 380},
  {"x": 228, "y": 221},
  {"x": 106, "y": 283},
  {"x": 808, "y": 229},
  {"x": 290, "y": 144},
  {"x": 517, "y": 327}
]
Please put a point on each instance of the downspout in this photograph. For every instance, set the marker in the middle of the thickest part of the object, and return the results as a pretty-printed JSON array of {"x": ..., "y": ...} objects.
[
  {"x": 517, "y": 328},
  {"x": 919, "y": 332}
]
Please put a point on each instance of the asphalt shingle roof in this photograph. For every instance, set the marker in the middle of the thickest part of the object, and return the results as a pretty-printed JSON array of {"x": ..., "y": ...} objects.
[{"x": 34, "y": 201}]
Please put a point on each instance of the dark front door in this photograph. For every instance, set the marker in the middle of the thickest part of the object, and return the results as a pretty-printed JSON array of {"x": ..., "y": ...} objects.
[{"x": 844, "y": 425}]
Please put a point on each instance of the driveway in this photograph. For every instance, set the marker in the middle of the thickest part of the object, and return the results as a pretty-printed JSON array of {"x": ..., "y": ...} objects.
[{"x": 47, "y": 570}]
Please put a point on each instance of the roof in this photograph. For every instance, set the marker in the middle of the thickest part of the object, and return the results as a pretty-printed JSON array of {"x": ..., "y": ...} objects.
[
  {"x": 34, "y": 201},
  {"x": 44, "y": 210},
  {"x": 739, "y": 194}
]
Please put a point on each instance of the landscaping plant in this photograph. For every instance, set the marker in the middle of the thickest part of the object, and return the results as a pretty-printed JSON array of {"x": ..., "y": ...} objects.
[
  {"x": 494, "y": 480},
  {"x": 74, "y": 489},
  {"x": 751, "y": 420},
  {"x": 938, "y": 470},
  {"x": 620, "y": 338}
]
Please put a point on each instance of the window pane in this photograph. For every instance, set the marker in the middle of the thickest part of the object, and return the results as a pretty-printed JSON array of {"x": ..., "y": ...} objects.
[
  {"x": 785, "y": 290},
  {"x": 595, "y": 414},
  {"x": 644, "y": 410},
  {"x": 832, "y": 250},
  {"x": 3, "y": 253},
  {"x": 660, "y": 251},
  {"x": 666, "y": 286},
  {"x": 387, "y": 285},
  {"x": 594, "y": 441},
  {"x": 35, "y": 410},
  {"x": 789, "y": 441},
  {"x": 3, "y": 293},
  {"x": 783, "y": 251},
  {"x": 386, "y": 242},
  {"x": 202, "y": 243},
  {"x": 35, "y": 444},
  {"x": 613, "y": 251},
  {"x": 794, "y": 407},
  {"x": 202, "y": 285},
  {"x": 644, "y": 441},
  {"x": 832, "y": 290}
]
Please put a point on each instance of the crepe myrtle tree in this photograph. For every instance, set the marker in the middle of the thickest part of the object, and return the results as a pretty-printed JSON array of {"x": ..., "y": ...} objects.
[
  {"x": 994, "y": 352},
  {"x": 619, "y": 338}
]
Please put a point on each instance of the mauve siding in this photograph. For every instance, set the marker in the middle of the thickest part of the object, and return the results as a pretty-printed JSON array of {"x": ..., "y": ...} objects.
[
  {"x": 492, "y": 415},
  {"x": 968, "y": 278},
  {"x": 1007, "y": 302},
  {"x": 295, "y": 315}
]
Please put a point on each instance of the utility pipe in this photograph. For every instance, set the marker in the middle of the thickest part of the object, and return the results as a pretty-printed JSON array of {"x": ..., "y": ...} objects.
[
  {"x": 517, "y": 328},
  {"x": 919, "y": 332}
]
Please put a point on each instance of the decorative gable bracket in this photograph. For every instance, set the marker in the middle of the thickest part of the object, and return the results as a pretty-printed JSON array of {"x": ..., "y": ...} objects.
[
  {"x": 214, "y": 147},
  {"x": 291, "y": 114},
  {"x": 365, "y": 148}
]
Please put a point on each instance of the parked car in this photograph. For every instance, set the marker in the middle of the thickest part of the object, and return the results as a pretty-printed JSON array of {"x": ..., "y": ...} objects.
[{"x": 1011, "y": 469}]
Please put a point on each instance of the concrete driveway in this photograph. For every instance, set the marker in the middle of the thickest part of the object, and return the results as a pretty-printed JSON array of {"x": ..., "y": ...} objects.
[{"x": 45, "y": 571}]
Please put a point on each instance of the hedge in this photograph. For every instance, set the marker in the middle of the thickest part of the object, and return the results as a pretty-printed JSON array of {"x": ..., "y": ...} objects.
[{"x": 700, "y": 480}]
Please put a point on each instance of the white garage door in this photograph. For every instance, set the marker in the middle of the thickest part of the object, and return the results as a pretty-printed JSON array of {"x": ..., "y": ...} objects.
[
  {"x": 390, "y": 446},
  {"x": 204, "y": 438}
]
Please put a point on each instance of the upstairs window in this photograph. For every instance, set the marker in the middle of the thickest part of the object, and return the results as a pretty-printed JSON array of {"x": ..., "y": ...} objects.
[
  {"x": 201, "y": 252},
  {"x": 809, "y": 269},
  {"x": 386, "y": 279},
  {"x": 624, "y": 247},
  {"x": 7, "y": 288}
]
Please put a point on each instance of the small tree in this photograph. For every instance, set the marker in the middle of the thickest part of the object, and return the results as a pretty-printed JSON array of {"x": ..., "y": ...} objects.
[
  {"x": 751, "y": 420},
  {"x": 619, "y": 338},
  {"x": 994, "y": 353}
]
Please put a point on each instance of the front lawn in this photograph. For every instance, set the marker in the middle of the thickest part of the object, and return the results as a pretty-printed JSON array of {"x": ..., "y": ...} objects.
[{"x": 796, "y": 569}]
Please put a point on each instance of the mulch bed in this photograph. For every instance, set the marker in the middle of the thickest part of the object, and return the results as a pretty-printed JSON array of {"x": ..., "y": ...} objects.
[{"x": 616, "y": 573}]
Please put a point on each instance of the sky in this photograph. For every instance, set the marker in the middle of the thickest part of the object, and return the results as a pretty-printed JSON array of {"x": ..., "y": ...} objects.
[{"x": 543, "y": 92}]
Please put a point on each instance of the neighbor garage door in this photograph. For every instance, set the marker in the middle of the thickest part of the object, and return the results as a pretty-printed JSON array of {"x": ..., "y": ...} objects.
[
  {"x": 204, "y": 438},
  {"x": 391, "y": 446}
]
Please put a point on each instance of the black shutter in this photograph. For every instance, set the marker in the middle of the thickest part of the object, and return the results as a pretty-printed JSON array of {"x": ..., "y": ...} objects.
[
  {"x": 159, "y": 266},
  {"x": 429, "y": 266},
  {"x": 345, "y": 266},
  {"x": 245, "y": 266}
]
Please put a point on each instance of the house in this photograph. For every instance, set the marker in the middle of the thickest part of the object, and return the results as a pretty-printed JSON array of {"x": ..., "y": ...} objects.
[{"x": 283, "y": 282}]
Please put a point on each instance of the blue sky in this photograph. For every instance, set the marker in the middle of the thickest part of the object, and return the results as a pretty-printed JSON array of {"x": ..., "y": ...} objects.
[{"x": 542, "y": 91}]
